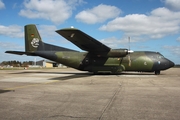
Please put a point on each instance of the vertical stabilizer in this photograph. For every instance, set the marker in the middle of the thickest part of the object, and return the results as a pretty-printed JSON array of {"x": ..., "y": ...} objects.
[{"x": 32, "y": 38}]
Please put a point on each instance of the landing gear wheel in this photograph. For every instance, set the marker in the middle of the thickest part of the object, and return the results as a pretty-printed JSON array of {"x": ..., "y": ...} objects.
[
  {"x": 95, "y": 73},
  {"x": 157, "y": 72}
]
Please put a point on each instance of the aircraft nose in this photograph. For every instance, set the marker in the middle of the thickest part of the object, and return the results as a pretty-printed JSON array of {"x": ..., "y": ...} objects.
[{"x": 171, "y": 64}]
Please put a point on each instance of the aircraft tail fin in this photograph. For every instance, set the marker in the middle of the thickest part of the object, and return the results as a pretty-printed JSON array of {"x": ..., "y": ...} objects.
[
  {"x": 32, "y": 38},
  {"x": 33, "y": 41}
]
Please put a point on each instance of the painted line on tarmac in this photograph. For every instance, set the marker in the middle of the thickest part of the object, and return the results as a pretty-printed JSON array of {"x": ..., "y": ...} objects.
[{"x": 26, "y": 86}]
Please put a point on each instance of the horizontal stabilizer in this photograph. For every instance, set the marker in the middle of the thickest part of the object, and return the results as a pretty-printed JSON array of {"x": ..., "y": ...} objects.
[{"x": 21, "y": 53}]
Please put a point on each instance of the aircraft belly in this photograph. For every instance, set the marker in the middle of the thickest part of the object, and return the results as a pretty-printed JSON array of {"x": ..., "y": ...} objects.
[
  {"x": 47, "y": 54},
  {"x": 104, "y": 69},
  {"x": 110, "y": 65}
]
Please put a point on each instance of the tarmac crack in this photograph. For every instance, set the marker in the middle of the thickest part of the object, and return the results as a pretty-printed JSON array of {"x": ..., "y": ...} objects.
[
  {"x": 68, "y": 116},
  {"x": 152, "y": 82},
  {"x": 111, "y": 100}
]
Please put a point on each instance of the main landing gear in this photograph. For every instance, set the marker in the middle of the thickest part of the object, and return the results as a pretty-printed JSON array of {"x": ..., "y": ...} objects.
[{"x": 157, "y": 72}]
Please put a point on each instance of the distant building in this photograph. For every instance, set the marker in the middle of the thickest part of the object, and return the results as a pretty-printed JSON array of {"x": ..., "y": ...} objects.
[{"x": 48, "y": 64}]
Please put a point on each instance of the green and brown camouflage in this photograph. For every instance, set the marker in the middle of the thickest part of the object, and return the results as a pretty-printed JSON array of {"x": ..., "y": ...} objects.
[{"x": 97, "y": 58}]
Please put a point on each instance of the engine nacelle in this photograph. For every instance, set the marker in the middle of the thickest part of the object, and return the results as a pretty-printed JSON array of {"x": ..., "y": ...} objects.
[{"x": 117, "y": 53}]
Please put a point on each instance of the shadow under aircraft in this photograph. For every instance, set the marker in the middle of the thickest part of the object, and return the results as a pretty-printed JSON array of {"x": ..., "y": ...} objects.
[
  {"x": 98, "y": 57},
  {"x": 68, "y": 75}
]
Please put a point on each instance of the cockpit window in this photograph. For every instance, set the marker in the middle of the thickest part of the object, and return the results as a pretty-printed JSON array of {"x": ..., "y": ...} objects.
[
  {"x": 156, "y": 55},
  {"x": 160, "y": 56}
]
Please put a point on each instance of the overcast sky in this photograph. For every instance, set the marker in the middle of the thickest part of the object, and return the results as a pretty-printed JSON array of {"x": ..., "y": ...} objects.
[{"x": 153, "y": 25}]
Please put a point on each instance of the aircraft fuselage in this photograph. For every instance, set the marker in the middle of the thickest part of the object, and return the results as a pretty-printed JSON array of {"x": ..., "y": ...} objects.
[{"x": 144, "y": 61}]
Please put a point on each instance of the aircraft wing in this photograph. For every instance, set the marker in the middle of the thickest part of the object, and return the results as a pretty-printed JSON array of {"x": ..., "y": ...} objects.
[{"x": 83, "y": 41}]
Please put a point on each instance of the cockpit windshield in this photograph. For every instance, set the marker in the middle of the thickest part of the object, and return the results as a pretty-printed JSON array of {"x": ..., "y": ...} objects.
[{"x": 160, "y": 56}]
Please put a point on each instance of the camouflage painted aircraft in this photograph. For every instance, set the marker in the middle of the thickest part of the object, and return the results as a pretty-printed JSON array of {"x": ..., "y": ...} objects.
[{"x": 97, "y": 58}]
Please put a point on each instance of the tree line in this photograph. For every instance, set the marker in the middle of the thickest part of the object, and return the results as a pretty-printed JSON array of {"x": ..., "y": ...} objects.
[{"x": 17, "y": 63}]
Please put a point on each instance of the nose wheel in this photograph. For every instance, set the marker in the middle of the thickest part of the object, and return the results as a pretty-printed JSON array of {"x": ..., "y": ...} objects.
[{"x": 157, "y": 72}]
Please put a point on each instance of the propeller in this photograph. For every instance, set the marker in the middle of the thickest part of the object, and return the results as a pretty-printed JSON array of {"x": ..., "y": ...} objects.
[{"x": 129, "y": 52}]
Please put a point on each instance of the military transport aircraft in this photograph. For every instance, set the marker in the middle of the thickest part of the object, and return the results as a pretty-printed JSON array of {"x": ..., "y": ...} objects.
[{"x": 97, "y": 58}]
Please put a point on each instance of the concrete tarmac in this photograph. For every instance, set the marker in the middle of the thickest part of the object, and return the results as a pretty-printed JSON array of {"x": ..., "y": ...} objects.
[{"x": 68, "y": 94}]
